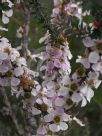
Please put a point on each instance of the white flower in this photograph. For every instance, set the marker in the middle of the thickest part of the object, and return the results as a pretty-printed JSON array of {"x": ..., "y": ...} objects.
[
  {"x": 59, "y": 101},
  {"x": 6, "y": 15},
  {"x": 19, "y": 33},
  {"x": 55, "y": 128},
  {"x": 97, "y": 66},
  {"x": 18, "y": 71},
  {"x": 88, "y": 42},
  {"x": 56, "y": 11},
  {"x": 87, "y": 92},
  {"x": 84, "y": 61},
  {"x": 20, "y": 61},
  {"x": 3, "y": 69},
  {"x": 14, "y": 54},
  {"x": 36, "y": 90},
  {"x": 35, "y": 111},
  {"x": 57, "y": 2},
  {"x": 15, "y": 81},
  {"x": 93, "y": 77},
  {"x": 42, "y": 130},
  {"x": 73, "y": 10},
  {"x": 4, "y": 43},
  {"x": 45, "y": 38},
  {"x": 10, "y": 3},
  {"x": 76, "y": 97},
  {"x": 94, "y": 57},
  {"x": 3, "y": 55},
  {"x": 58, "y": 117},
  {"x": 4, "y": 82}
]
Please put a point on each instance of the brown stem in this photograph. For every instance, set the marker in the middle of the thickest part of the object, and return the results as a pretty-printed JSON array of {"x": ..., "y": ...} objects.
[{"x": 25, "y": 39}]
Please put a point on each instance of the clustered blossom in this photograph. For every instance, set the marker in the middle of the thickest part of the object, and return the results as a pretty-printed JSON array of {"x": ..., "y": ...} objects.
[
  {"x": 73, "y": 9},
  {"x": 20, "y": 32},
  {"x": 54, "y": 96},
  {"x": 64, "y": 11},
  {"x": 56, "y": 12},
  {"x": 62, "y": 90},
  {"x": 7, "y": 13},
  {"x": 57, "y": 57},
  {"x": 87, "y": 76},
  {"x": 13, "y": 69},
  {"x": 67, "y": 9}
]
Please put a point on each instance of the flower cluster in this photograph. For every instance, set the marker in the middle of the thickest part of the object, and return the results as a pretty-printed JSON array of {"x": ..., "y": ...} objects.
[
  {"x": 14, "y": 71},
  {"x": 62, "y": 91},
  {"x": 53, "y": 96},
  {"x": 7, "y": 13},
  {"x": 62, "y": 8},
  {"x": 87, "y": 75},
  {"x": 57, "y": 91},
  {"x": 57, "y": 57},
  {"x": 91, "y": 68}
]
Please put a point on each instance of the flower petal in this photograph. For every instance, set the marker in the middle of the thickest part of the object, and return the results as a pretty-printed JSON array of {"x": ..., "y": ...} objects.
[
  {"x": 35, "y": 111},
  {"x": 5, "y": 19},
  {"x": 59, "y": 101},
  {"x": 18, "y": 71},
  {"x": 15, "y": 81},
  {"x": 63, "y": 126},
  {"x": 94, "y": 57},
  {"x": 54, "y": 128}
]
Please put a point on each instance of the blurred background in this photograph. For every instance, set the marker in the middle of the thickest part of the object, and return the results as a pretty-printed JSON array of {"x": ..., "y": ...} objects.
[{"x": 91, "y": 115}]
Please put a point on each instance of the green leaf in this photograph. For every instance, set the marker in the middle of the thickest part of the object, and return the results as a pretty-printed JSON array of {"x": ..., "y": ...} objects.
[
  {"x": 87, "y": 19},
  {"x": 98, "y": 95}
]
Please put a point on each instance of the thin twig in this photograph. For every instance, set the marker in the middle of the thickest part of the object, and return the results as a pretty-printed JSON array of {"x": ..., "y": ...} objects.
[
  {"x": 25, "y": 39},
  {"x": 12, "y": 114}
]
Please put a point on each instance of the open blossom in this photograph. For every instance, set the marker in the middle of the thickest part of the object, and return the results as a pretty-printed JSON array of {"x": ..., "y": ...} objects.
[
  {"x": 57, "y": 2},
  {"x": 13, "y": 67},
  {"x": 10, "y": 4},
  {"x": 93, "y": 57},
  {"x": 57, "y": 58},
  {"x": 56, "y": 13},
  {"x": 93, "y": 62},
  {"x": 58, "y": 119},
  {"x": 73, "y": 10},
  {"x": 20, "y": 32},
  {"x": 8, "y": 13}
]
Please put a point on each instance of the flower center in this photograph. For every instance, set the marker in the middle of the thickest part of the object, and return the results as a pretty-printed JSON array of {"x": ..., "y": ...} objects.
[
  {"x": 69, "y": 102},
  {"x": 7, "y": 50},
  {"x": 90, "y": 83},
  {"x": 80, "y": 71},
  {"x": 49, "y": 133},
  {"x": 57, "y": 87},
  {"x": 57, "y": 119},
  {"x": 44, "y": 107},
  {"x": 26, "y": 83},
  {"x": 73, "y": 86},
  {"x": 27, "y": 95}
]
